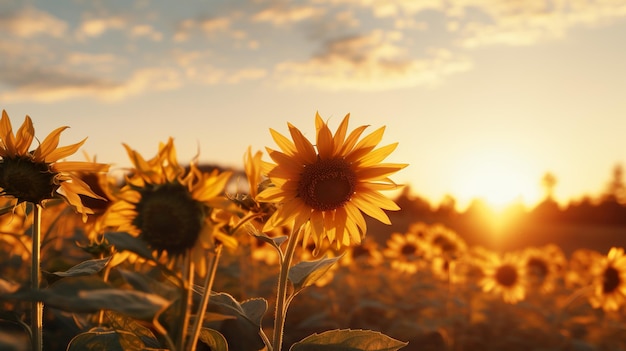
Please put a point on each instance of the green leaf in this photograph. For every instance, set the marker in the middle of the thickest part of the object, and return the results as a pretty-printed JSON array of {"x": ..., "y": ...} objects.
[
  {"x": 348, "y": 340},
  {"x": 213, "y": 339},
  {"x": 124, "y": 241},
  {"x": 88, "y": 267},
  {"x": 99, "y": 339},
  {"x": 242, "y": 332},
  {"x": 306, "y": 273},
  {"x": 120, "y": 322},
  {"x": 273, "y": 241},
  {"x": 89, "y": 295}
]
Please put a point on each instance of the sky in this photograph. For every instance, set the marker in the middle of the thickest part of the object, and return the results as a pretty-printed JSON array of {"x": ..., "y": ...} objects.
[{"x": 483, "y": 96}]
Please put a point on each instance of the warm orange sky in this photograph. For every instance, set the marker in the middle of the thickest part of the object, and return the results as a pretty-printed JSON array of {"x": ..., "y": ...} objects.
[{"x": 484, "y": 97}]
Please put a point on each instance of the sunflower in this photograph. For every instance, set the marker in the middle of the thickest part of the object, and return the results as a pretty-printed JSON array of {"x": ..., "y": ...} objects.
[
  {"x": 36, "y": 176},
  {"x": 543, "y": 266},
  {"x": 505, "y": 275},
  {"x": 408, "y": 252},
  {"x": 609, "y": 281},
  {"x": 324, "y": 188},
  {"x": 445, "y": 242},
  {"x": 172, "y": 209}
]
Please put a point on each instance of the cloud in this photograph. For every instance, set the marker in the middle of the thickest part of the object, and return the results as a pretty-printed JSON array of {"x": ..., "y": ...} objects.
[
  {"x": 369, "y": 62},
  {"x": 528, "y": 22},
  {"x": 145, "y": 30},
  {"x": 208, "y": 26},
  {"x": 505, "y": 22},
  {"x": 29, "y": 22},
  {"x": 283, "y": 15},
  {"x": 95, "y": 27}
]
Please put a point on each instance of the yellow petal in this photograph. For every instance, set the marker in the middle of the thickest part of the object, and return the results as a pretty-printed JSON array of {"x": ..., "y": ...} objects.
[
  {"x": 49, "y": 144},
  {"x": 305, "y": 149},
  {"x": 283, "y": 142},
  {"x": 24, "y": 136}
]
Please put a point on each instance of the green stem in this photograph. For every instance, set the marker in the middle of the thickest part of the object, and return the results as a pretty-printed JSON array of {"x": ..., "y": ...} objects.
[
  {"x": 186, "y": 296},
  {"x": 35, "y": 275},
  {"x": 208, "y": 285},
  {"x": 281, "y": 296}
]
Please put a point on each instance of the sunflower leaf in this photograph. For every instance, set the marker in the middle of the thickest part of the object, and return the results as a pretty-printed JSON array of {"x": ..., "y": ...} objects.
[
  {"x": 89, "y": 295},
  {"x": 274, "y": 241},
  {"x": 214, "y": 339},
  {"x": 102, "y": 339},
  {"x": 242, "y": 332},
  {"x": 348, "y": 340},
  {"x": 306, "y": 273},
  {"x": 88, "y": 267},
  {"x": 124, "y": 241}
]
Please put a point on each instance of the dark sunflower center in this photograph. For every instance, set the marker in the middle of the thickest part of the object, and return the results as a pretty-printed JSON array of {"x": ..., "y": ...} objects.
[
  {"x": 327, "y": 184},
  {"x": 169, "y": 218},
  {"x": 408, "y": 249},
  {"x": 445, "y": 244},
  {"x": 611, "y": 280},
  {"x": 26, "y": 180},
  {"x": 538, "y": 267},
  {"x": 506, "y": 276}
]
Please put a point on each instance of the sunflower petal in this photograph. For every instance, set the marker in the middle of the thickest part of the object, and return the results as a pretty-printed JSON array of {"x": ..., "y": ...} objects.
[
  {"x": 24, "y": 137},
  {"x": 48, "y": 145}
]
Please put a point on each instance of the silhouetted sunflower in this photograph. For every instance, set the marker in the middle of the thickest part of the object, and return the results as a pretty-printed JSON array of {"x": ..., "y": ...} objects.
[
  {"x": 171, "y": 209},
  {"x": 36, "y": 176},
  {"x": 504, "y": 275},
  {"x": 325, "y": 187},
  {"x": 610, "y": 281}
]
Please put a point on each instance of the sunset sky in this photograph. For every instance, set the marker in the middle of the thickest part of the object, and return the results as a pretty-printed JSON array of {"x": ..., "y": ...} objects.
[{"x": 484, "y": 97}]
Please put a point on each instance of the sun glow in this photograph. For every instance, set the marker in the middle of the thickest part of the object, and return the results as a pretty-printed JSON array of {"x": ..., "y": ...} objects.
[{"x": 498, "y": 178}]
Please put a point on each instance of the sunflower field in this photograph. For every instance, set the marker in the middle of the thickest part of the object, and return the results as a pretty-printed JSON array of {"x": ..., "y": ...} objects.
[{"x": 181, "y": 256}]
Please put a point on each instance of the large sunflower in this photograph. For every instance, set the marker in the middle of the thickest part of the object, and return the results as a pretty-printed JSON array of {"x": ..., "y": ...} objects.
[
  {"x": 36, "y": 176},
  {"x": 609, "y": 281},
  {"x": 170, "y": 208},
  {"x": 324, "y": 188}
]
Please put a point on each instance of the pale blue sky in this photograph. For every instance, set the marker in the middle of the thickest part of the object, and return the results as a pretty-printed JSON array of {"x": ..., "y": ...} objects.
[{"x": 483, "y": 96}]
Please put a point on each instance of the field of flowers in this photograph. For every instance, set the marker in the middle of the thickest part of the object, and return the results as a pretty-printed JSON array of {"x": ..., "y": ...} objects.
[{"x": 176, "y": 256}]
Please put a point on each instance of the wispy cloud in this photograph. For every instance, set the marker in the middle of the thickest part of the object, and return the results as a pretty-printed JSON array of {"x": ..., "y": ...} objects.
[
  {"x": 369, "y": 62},
  {"x": 28, "y": 22},
  {"x": 95, "y": 27},
  {"x": 207, "y": 26},
  {"x": 283, "y": 14}
]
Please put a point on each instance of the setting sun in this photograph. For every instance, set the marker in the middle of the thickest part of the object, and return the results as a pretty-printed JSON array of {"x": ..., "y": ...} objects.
[{"x": 497, "y": 177}]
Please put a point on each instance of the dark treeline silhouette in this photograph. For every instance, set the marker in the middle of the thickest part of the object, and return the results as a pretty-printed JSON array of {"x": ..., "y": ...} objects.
[{"x": 593, "y": 222}]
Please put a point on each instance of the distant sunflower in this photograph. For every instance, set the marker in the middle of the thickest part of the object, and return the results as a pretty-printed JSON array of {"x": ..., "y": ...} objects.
[
  {"x": 610, "y": 281},
  {"x": 504, "y": 275},
  {"x": 580, "y": 266},
  {"x": 325, "y": 187},
  {"x": 543, "y": 266},
  {"x": 36, "y": 176},
  {"x": 173, "y": 210},
  {"x": 408, "y": 252},
  {"x": 446, "y": 242}
]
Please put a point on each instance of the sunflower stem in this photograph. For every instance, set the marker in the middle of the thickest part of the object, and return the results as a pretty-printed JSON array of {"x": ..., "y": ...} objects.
[
  {"x": 281, "y": 296},
  {"x": 36, "y": 321},
  {"x": 208, "y": 285},
  {"x": 186, "y": 296}
]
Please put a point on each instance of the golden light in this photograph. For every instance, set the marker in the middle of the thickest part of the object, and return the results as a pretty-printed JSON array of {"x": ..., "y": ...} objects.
[{"x": 498, "y": 177}]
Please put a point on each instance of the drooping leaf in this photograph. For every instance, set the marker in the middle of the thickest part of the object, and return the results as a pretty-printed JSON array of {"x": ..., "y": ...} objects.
[
  {"x": 348, "y": 340},
  {"x": 124, "y": 241},
  {"x": 306, "y": 273},
  {"x": 143, "y": 282},
  {"x": 88, "y": 295},
  {"x": 88, "y": 267},
  {"x": 213, "y": 339}
]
